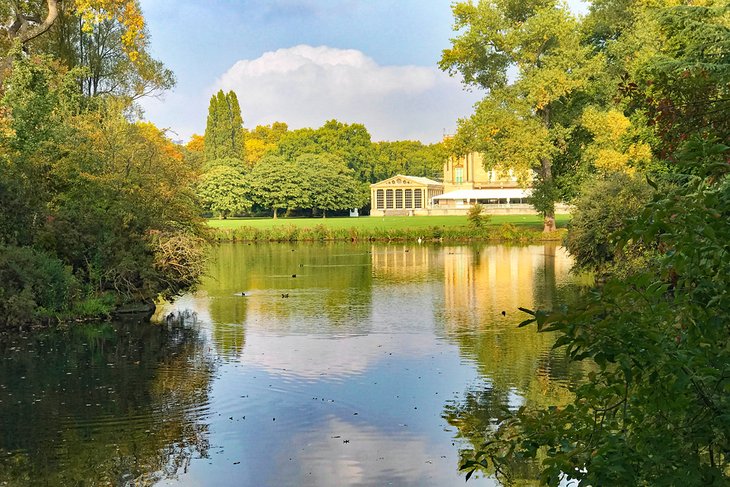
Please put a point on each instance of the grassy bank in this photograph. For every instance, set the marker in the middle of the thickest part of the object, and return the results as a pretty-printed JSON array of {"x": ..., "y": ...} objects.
[{"x": 513, "y": 228}]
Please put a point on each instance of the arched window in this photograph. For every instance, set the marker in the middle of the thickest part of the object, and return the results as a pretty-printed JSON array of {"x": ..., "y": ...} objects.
[{"x": 399, "y": 199}]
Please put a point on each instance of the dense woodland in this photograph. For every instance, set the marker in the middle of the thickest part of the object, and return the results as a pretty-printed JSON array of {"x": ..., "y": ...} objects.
[{"x": 623, "y": 111}]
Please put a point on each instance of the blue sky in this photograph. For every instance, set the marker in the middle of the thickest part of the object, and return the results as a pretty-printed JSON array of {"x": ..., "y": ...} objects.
[{"x": 307, "y": 61}]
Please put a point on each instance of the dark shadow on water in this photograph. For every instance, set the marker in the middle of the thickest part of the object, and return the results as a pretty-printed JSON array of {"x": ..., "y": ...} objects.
[{"x": 105, "y": 404}]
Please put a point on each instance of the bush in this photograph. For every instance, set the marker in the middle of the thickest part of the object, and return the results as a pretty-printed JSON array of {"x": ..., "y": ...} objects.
[
  {"x": 604, "y": 208},
  {"x": 34, "y": 286},
  {"x": 476, "y": 217}
]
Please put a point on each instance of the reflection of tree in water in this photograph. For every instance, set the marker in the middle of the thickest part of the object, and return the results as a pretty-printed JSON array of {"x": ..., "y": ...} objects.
[
  {"x": 518, "y": 365},
  {"x": 333, "y": 280},
  {"x": 109, "y": 404}
]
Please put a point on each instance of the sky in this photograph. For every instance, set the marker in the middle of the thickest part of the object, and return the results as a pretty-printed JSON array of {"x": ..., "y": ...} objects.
[{"x": 304, "y": 62}]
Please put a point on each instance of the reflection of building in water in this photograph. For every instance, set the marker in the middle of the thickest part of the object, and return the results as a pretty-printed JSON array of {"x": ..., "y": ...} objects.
[
  {"x": 481, "y": 283},
  {"x": 403, "y": 262}
]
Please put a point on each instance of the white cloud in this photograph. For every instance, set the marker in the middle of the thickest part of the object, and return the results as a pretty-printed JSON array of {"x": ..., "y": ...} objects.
[{"x": 304, "y": 86}]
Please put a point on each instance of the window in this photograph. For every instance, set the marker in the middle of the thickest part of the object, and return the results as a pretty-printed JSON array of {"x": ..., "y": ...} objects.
[
  {"x": 418, "y": 198},
  {"x": 380, "y": 199},
  {"x": 399, "y": 199},
  {"x": 409, "y": 198},
  {"x": 389, "y": 198},
  {"x": 459, "y": 175}
]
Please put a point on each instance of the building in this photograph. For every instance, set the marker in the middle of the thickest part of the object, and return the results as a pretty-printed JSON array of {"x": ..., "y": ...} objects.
[
  {"x": 465, "y": 183},
  {"x": 404, "y": 195}
]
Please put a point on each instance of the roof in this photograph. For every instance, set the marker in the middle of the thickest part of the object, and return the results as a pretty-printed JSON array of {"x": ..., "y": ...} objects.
[
  {"x": 398, "y": 179},
  {"x": 483, "y": 194}
]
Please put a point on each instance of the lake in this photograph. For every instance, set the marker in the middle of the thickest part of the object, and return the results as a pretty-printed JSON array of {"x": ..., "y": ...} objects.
[{"x": 293, "y": 364}]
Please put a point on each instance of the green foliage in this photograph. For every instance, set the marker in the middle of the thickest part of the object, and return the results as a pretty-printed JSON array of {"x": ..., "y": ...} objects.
[
  {"x": 408, "y": 157},
  {"x": 311, "y": 181},
  {"x": 526, "y": 124},
  {"x": 223, "y": 191},
  {"x": 653, "y": 412},
  {"x": 348, "y": 143},
  {"x": 476, "y": 217},
  {"x": 33, "y": 286},
  {"x": 224, "y": 135},
  {"x": 604, "y": 208}
]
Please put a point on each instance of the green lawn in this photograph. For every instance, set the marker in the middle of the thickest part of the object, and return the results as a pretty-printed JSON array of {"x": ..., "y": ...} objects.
[{"x": 390, "y": 222}]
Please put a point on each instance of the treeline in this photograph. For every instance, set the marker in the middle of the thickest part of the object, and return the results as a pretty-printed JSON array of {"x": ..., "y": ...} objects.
[
  {"x": 97, "y": 210},
  {"x": 625, "y": 110},
  {"x": 308, "y": 171}
]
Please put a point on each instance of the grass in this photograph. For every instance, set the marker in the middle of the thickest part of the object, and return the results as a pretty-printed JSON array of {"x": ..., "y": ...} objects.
[
  {"x": 366, "y": 223},
  {"x": 509, "y": 228}
]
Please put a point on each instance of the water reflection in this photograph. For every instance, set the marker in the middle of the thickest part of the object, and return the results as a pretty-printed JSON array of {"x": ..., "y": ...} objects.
[
  {"x": 110, "y": 404},
  {"x": 313, "y": 364},
  {"x": 484, "y": 288}
]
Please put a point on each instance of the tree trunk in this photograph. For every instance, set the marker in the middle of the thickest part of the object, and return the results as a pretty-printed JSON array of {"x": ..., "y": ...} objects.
[
  {"x": 546, "y": 167},
  {"x": 549, "y": 222},
  {"x": 275, "y": 211}
]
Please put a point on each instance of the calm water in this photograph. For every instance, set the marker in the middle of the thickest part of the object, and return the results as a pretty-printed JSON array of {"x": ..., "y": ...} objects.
[{"x": 375, "y": 365}]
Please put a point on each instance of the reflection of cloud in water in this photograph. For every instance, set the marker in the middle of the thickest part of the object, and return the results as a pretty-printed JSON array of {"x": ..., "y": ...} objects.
[
  {"x": 370, "y": 457},
  {"x": 311, "y": 357},
  {"x": 198, "y": 302}
]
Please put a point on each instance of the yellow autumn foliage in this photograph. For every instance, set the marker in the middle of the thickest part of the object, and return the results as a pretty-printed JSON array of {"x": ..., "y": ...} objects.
[{"x": 126, "y": 12}]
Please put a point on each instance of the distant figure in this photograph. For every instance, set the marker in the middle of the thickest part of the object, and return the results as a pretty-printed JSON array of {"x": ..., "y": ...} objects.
[
  {"x": 243, "y": 294},
  {"x": 419, "y": 240},
  {"x": 294, "y": 275},
  {"x": 284, "y": 295},
  {"x": 504, "y": 313}
]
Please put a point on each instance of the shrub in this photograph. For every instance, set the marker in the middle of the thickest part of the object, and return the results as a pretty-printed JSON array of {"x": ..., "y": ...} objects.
[
  {"x": 604, "y": 208},
  {"x": 33, "y": 286},
  {"x": 476, "y": 217}
]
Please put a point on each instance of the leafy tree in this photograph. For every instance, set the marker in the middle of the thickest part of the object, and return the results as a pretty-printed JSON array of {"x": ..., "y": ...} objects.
[
  {"x": 333, "y": 185},
  {"x": 653, "y": 411},
  {"x": 604, "y": 208},
  {"x": 263, "y": 140},
  {"x": 277, "y": 183},
  {"x": 27, "y": 20},
  {"x": 98, "y": 48},
  {"x": 519, "y": 124},
  {"x": 612, "y": 148},
  {"x": 223, "y": 191},
  {"x": 350, "y": 143},
  {"x": 224, "y": 136},
  {"x": 408, "y": 157},
  {"x": 194, "y": 152}
]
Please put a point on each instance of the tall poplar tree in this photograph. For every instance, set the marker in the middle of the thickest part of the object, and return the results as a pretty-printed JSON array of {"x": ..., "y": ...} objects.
[{"x": 224, "y": 128}]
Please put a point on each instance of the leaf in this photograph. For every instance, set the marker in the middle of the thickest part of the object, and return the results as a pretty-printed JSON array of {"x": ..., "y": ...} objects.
[
  {"x": 526, "y": 322},
  {"x": 651, "y": 183}
]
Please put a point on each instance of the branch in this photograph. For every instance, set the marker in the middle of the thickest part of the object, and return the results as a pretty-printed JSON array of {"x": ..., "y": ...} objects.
[{"x": 36, "y": 31}]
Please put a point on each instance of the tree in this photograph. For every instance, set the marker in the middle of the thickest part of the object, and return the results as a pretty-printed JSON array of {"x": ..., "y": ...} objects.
[
  {"x": 223, "y": 191},
  {"x": 653, "y": 411},
  {"x": 263, "y": 140},
  {"x": 25, "y": 21},
  {"x": 333, "y": 185},
  {"x": 224, "y": 136},
  {"x": 98, "y": 48},
  {"x": 519, "y": 124},
  {"x": 277, "y": 183},
  {"x": 350, "y": 143},
  {"x": 408, "y": 157}
]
